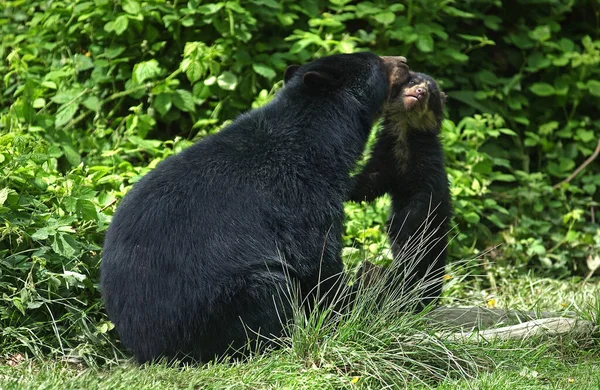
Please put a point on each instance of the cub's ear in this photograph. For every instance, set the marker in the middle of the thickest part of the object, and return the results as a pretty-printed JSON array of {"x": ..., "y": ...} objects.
[
  {"x": 443, "y": 97},
  {"x": 289, "y": 72},
  {"x": 319, "y": 80}
]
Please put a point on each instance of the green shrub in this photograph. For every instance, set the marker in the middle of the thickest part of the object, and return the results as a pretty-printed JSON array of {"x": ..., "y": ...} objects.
[{"x": 95, "y": 93}]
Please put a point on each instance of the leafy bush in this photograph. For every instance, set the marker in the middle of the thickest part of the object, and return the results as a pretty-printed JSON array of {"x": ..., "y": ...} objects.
[{"x": 96, "y": 93}]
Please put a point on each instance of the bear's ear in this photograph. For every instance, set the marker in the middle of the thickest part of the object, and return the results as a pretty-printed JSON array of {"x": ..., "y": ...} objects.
[
  {"x": 289, "y": 72},
  {"x": 443, "y": 97},
  {"x": 319, "y": 80}
]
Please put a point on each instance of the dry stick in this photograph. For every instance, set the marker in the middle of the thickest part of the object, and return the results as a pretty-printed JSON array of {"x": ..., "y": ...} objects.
[
  {"x": 580, "y": 168},
  {"x": 592, "y": 269},
  {"x": 108, "y": 205},
  {"x": 541, "y": 327},
  {"x": 589, "y": 275}
]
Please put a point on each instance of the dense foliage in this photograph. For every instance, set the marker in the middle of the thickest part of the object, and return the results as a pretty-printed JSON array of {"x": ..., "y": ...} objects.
[{"x": 95, "y": 93}]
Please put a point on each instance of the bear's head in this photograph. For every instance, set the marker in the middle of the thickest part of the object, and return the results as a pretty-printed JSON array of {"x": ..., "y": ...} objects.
[
  {"x": 417, "y": 102},
  {"x": 364, "y": 77}
]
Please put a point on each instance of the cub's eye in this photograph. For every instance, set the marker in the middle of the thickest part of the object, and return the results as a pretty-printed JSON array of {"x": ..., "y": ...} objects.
[{"x": 411, "y": 83}]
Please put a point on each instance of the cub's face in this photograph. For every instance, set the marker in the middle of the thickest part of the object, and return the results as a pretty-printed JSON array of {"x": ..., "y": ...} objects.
[{"x": 418, "y": 102}]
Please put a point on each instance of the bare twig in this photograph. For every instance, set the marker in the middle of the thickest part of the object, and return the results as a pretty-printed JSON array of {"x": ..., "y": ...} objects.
[
  {"x": 476, "y": 324},
  {"x": 108, "y": 205},
  {"x": 581, "y": 167},
  {"x": 589, "y": 275}
]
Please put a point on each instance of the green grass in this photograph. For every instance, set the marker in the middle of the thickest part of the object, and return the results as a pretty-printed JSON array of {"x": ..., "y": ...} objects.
[
  {"x": 277, "y": 372},
  {"x": 516, "y": 367},
  {"x": 372, "y": 349}
]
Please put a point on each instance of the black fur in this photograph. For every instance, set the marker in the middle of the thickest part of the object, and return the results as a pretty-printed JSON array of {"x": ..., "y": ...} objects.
[
  {"x": 196, "y": 257},
  {"x": 407, "y": 162}
]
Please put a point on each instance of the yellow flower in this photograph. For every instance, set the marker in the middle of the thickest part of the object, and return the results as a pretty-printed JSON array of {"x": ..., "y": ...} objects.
[
  {"x": 571, "y": 380},
  {"x": 491, "y": 303},
  {"x": 447, "y": 277},
  {"x": 354, "y": 379}
]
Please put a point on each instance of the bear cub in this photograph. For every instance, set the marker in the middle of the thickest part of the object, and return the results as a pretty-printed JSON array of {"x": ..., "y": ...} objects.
[
  {"x": 199, "y": 255},
  {"x": 407, "y": 162}
]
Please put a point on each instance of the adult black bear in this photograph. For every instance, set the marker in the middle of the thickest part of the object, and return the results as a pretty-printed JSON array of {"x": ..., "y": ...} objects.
[
  {"x": 408, "y": 163},
  {"x": 197, "y": 258}
]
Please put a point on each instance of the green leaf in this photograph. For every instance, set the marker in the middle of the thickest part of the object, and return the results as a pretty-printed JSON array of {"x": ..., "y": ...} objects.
[
  {"x": 162, "y": 103},
  {"x": 38, "y": 103},
  {"x": 589, "y": 188},
  {"x": 3, "y": 195},
  {"x": 82, "y": 62},
  {"x": 566, "y": 164},
  {"x": 472, "y": 38},
  {"x": 566, "y": 44},
  {"x": 194, "y": 71},
  {"x": 522, "y": 120},
  {"x": 82, "y": 6},
  {"x": 456, "y": 55},
  {"x": 113, "y": 51},
  {"x": 385, "y": 17},
  {"x": 72, "y": 155},
  {"x": 594, "y": 87},
  {"x": 70, "y": 204},
  {"x": 86, "y": 210},
  {"x": 538, "y": 61},
  {"x": 35, "y": 304},
  {"x": 131, "y": 6},
  {"x": 210, "y": 81},
  {"x": 346, "y": 46},
  {"x": 66, "y": 96},
  {"x": 183, "y": 100},
  {"x": 41, "y": 234},
  {"x": 104, "y": 327},
  {"x": 120, "y": 24},
  {"x": 504, "y": 177},
  {"x": 492, "y": 22},
  {"x": 471, "y": 217},
  {"x": 542, "y": 89},
  {"x": 189, "y": 22},
  {"x": 148, "y": 144},
  {"x": 145, "y": 70},
  {"x": 65, "y": 114},
  {"x": 586, "y": 135},
  {"x": 64, "y": 245},
  {"x": 264, "y": 70},
  {"x": 227, "y": 81},
  {"x": 268, "y": 3},
  {"x": 548, "y": 128},
  {"x": 235, "y": 7},
  {"x": 92, "y": 103},
  {"x": 536, "y": 248},
  {"x": 540, "y": 33},
  {"x": 366, "y": 8},
  {"x": 209, "y": 9},
  {"x": 457, "y": 12},
  {"x": 49, "y": 84},
  {"x": 522, "y": 40},
  {"x": 425, "y": 43},
  {"x": 496, "y": 221}
]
